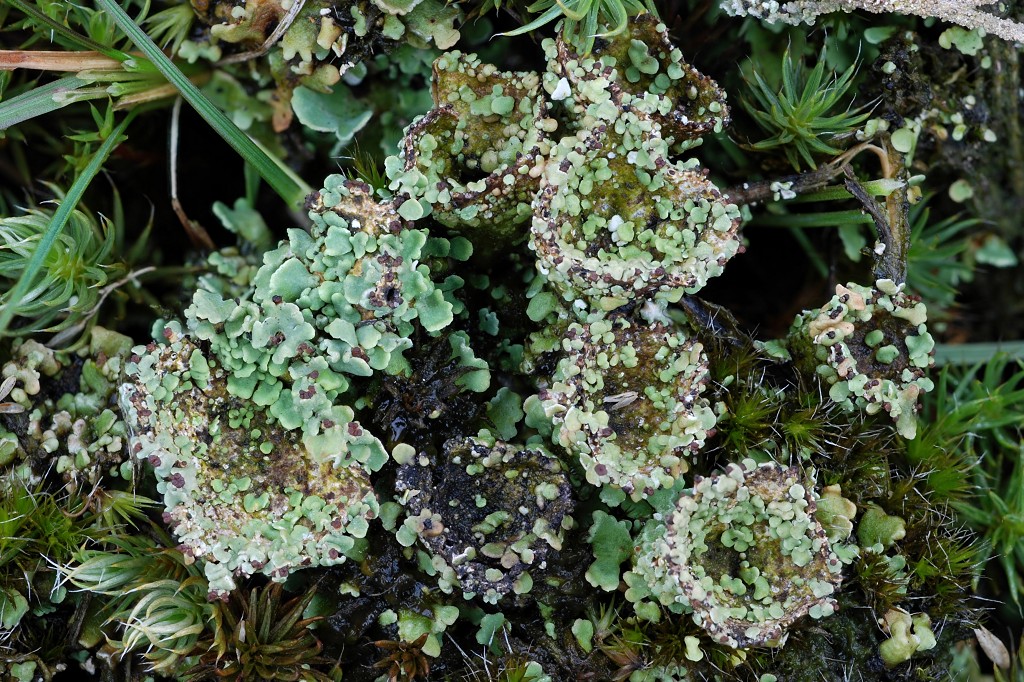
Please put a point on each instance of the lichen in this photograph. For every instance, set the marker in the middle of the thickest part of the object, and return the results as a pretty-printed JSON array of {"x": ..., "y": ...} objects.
[
  {"x": 871, "y": 346},
  {"x": 437, "y": 394},
  {"x": 491, "y": 514},
  {"x": 242, "y": 492},
  {"x": 615, "y": 219},
  {"x": 59, "y": 412},
  {"x": 475, "y": 158},
  {"x": 255, "y": 391},
  {"x": 878, "y": 528},
  {"x": 626, "y": 400},
  {"x": 907, "y": 635},
  {"x": 323, "y": 40},
  {"x": 746, "y": 554},
  {"x": 487, "y": 154},
  {"x": 640, "y": 70},
  {"x": 485, "y": 401},
  {"x": 346, "y": 297},
  {"x": 836, "y": 513},
  {"x": 966, "y": 14}
]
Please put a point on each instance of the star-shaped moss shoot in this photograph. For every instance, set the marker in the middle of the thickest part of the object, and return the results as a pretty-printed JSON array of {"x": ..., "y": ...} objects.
[
  {"x": 626, "y": 400},
  {"x": 474, "y": 160},
  {"x": 243, "y": 493},
  {"x": 491, "y": 514},
  {"x": 871, "y": 345},
  {"x": 745, "y": 551},
  {"x": 639, "y": 69}
]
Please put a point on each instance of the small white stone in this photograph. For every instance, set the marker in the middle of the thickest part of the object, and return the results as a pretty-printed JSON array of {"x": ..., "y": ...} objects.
[{"x": 562, "y": 90}]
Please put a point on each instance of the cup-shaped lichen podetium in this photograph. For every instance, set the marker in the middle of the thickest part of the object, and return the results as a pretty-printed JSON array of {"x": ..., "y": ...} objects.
[
  {"x": 640, "y": 69},
  {"x": 490, "y": 514},
  {"x": 241, "y": 493},
  {"x": 872, "y": 346},
  {"x": 747, "y": 553},
  {"x": 474, "y": 160},
  {"x": 615, "y": 220},
  {"x": 627, "y": 401}
]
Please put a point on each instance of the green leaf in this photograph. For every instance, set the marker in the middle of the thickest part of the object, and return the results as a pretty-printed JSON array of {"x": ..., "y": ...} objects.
[
  {"x": 287, "y": 185},
  {"x": 12, "y": 607},
  {"x": 811, "y": 220},
  {"x": 412, "y": 625},
  {"x": 445, "y": 615},
  {"x": 338, "y": 112},
  {"x": 541, "y": 306},
  {"x": 547, "y": 17},
  {"x": 505, "y": 410},
  {"x": 973, "y": 353},
  {"x": 583, "y": 631},
  {"x": 246, "y": 222},
  {"x": 960, "y": 191},
  {"x": 612, "y": 544},
  {"x": 490, "y": 626},
  {"x": 63, "y": 31},
  {"x": 435, "y": 313},
  {"x": 996, "y": 252},
  {"x": 853, "y": 239},
  {"x": 876, "y": 35}
]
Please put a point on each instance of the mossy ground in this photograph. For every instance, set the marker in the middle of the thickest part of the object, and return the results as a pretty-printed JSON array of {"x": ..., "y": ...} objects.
[{"x": 459, "y": 340}]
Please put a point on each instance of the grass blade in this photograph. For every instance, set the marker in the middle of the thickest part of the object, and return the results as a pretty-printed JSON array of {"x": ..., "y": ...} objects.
[
  {"x": 547, "y": 17},
  {"x": 974, "y": 353},
  {"x": 287, "y": 185},
  {"x": 60, "y": 218},
  {"x": 40, "y": 100},
  {"x": 813, "y": 220},
  {"x": 882, "y": 187},
  {"x": 812, "y": 253}
]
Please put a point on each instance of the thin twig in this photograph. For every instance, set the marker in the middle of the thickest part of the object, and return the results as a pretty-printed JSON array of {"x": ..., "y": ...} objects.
[
  {"x": 197, "y": 234},
  {"x": 718, "y": 321},
  {"x": 890, "y": 257},
  {"x": 765, "y": 190},
  {"x": 147, "y": 95},
  {"x": 64, "y": 335},
  {"x": 897, "y": 206},
  {"x": 883, "y": 158},
  {"x": 810, "y": 181}
]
